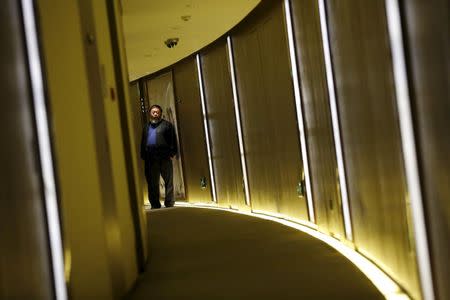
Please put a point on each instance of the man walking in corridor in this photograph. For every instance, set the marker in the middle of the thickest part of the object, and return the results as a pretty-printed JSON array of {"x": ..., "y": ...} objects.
[{"x": 158, "y": 147}]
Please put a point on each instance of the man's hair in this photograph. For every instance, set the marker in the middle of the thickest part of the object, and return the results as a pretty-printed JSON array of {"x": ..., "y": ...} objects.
[{"x": 157, "y": 106}]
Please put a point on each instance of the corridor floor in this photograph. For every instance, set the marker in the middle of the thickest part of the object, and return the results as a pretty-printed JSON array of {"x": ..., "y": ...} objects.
[{"x": 205, "y": 254}]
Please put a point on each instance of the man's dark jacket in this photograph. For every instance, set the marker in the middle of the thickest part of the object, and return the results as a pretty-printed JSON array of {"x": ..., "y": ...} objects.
[{"x": 166, "y": 141}]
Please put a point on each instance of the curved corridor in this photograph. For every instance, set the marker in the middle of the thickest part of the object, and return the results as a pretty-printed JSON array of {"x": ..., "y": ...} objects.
[
  {"x": 199, "y": 254},
  {"x": 305, "y": 140}
]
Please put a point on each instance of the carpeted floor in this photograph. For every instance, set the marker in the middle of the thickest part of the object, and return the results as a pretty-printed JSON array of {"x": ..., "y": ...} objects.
[{"x": 205, "y": 254}]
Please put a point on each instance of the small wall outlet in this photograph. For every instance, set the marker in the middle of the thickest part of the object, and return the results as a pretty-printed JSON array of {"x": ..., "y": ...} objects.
[{"x": 203, "y": 183}]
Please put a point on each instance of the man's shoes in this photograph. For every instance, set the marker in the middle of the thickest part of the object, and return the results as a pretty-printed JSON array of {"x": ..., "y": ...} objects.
[{"x": 168, "y": 204}]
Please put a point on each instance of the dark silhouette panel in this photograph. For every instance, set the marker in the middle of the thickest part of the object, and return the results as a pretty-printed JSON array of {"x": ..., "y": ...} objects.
[
  {"x": 427, "y": 31},
  {"x": 25, "y": 266}
]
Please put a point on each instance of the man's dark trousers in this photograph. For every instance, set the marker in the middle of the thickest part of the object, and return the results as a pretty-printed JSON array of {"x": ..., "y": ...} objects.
[{"x": 155, "y": 167}]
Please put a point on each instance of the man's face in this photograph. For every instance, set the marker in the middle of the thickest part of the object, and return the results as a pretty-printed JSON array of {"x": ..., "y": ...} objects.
[{"x": 155, "y": 114}]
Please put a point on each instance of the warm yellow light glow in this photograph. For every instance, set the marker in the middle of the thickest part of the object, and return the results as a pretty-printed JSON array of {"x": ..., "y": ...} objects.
[
  {"x": 287, "y": 218},
  {"x": 388, "y": 287},
  {"x": 67, "y": 264}
]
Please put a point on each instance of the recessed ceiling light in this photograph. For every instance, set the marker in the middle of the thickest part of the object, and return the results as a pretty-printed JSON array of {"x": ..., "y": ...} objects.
[{"x": 172, "y": 42}]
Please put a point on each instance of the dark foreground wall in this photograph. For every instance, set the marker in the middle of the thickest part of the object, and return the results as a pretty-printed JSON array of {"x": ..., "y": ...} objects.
[
  {"x": 24, "y": 251},
  {"x": 427, "y": 32}
]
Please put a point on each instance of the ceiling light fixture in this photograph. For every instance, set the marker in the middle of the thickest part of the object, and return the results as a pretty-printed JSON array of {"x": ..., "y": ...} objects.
[{"x": 171, "y": 42}]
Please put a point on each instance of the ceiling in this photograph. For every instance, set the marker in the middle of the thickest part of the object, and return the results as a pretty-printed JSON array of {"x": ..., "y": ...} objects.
[{"x": 148, "y": 23}]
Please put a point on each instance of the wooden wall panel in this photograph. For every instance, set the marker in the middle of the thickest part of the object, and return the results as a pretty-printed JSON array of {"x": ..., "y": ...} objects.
[
  {"x": 222, "y": 126},
  {"x": 319, "y": 131},
  {"x": 371, "y": 137},
  {"x": 427, "y": 34},
  {"x": 268, "y": 112},
  {"x": 191, "y": 132}
]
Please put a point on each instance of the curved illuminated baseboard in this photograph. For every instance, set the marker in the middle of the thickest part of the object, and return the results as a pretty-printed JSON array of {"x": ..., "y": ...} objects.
[{"x": 388, "y": 287}]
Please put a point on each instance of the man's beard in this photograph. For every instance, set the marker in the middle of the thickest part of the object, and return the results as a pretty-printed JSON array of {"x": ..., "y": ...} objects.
[{"x": 154, "y": 121}]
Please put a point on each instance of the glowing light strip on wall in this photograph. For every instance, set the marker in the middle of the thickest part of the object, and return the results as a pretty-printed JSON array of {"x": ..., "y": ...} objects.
[
  {"x": 237, "y": 114},
  {"x": 51, "y": 204},
  {"x": 409, "y": 146},
  {"x": 205, "y": 124},
  {"x": 298, "y": 104},
  {"x": 388, "y": 287},
  {"x": 287, "y": 218},
  {"x": 335, "y": 121}
]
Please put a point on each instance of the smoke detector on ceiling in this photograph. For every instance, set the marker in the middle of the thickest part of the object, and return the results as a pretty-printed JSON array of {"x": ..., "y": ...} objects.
[{"x": 172, "y": 42}]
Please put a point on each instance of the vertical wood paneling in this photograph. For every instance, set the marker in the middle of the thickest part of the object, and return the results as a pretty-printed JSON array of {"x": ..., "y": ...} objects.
[
  {"x": 322, "y": 157},
  {"x": 371, "y": 137},
  {"x": 222, "y": 126},
  {"x": 268, "y": 112},
  {"x": 428, "y": 45},
  {"x": 191, "y": 132}
]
